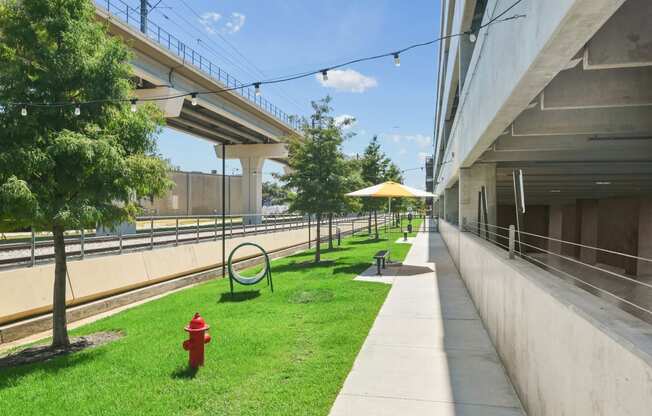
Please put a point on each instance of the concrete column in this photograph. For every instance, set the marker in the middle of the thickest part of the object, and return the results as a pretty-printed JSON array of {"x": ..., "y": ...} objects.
[
  {"x": 451, "y": 204},
  {"x": 555, "y": 228},
  {"x": 471, "y": 182},
  {"x": 252, "y": 188},
  {"x": 588, "y": 213},
  {"x": 645, "y": 237},
  {"x": 252, "y": 157}
]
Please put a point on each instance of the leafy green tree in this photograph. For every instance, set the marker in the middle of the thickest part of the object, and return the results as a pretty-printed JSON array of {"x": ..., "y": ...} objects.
[
  {"x": 319, "y": 172},
  {"x": 373, "y": 168},
  {"x": 60, "y": 170},
  {"x": 274, "y": 194}
]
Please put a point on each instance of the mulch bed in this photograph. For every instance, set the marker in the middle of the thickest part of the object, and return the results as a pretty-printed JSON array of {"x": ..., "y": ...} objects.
[{"x": 42, "y": 353}]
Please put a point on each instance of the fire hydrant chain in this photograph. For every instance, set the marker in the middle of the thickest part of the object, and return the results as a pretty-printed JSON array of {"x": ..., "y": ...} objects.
[{"x": 197, "y": 338}]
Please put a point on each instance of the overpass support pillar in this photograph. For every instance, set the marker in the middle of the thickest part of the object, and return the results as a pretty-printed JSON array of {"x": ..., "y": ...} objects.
[
  {"x": 252, "y": 157},
  {"x": 252, "y": 189},
  {"x": 470, "y": 184}
]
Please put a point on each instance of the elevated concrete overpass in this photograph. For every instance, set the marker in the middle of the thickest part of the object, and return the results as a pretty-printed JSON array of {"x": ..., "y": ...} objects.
[{"x": 165, "y": 66}]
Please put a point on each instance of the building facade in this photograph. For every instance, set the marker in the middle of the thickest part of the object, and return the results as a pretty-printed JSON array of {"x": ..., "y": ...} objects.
[{"x": 558, "y": 93}]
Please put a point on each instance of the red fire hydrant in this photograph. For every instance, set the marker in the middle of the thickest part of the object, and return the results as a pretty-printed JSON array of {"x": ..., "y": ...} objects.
[{"x": 198, "y": 337}]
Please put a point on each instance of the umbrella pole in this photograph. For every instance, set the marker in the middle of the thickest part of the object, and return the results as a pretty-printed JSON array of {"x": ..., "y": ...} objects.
[{"x": 389, "y": 234}]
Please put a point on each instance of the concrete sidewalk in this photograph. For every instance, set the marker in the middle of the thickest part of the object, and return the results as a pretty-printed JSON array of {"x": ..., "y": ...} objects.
[{"x": 427, "y": 352}]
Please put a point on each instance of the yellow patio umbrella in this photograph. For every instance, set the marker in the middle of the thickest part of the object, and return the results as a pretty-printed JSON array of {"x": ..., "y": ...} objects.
[{"x": 390, "y": 190}]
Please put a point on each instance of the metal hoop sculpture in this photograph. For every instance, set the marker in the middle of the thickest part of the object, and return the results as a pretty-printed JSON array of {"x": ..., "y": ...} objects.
[{"x": 266, "y": 272}]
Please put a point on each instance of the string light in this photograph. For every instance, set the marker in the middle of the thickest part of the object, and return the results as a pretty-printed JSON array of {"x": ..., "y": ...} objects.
[
  {"x": 194, "y": 99},
  {"x": 77, "y": 111},
  {"x": 324, "y": 72}
]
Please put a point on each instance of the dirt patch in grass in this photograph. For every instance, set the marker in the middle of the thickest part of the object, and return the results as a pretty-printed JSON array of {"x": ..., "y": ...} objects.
[
  {"x": 46, "y": 352},
  {"x": 311, "y": 296}
]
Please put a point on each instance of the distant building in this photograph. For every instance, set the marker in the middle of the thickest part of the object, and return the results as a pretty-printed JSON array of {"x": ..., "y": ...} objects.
[
  {"x": 198, "y": 193},
  {"x": 430, "y": 172}
]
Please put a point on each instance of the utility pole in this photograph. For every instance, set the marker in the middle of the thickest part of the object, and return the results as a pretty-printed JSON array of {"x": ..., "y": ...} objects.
[{"x": 144, "y": 10}]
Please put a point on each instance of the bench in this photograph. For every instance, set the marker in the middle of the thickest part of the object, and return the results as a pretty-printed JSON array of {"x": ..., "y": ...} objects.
[{"x": 381, "y": 256}]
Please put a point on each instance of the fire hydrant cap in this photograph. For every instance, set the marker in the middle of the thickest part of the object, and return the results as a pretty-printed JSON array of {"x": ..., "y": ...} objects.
[{"x": 197, "y": 324}]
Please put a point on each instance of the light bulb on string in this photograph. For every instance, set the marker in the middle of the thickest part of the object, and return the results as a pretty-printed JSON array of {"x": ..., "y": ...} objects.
[
  {"x": 397, "y": 60},
  {"x": 257, "y": 89},
  {"x": 133, "y": 105},
  {"x": 23, "y": 111},
  {"x": 77, "y": 110},
  {"x": 472, "y": 37},
  {"x": 193, "y": 101},
  {"x": 324, "y": 75}
]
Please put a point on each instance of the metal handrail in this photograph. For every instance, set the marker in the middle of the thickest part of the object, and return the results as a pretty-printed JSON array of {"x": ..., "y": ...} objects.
[
  {"x": 549, "y": 266},
  {"x": 131, "y": 16},
  {"x": 191, "y": 233},
  {"x": 604, "y": 250},
  {"x": 584, "y": 282}
]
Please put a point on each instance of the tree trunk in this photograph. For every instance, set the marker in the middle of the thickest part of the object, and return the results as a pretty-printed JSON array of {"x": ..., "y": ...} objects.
[
  {"x": 330, "y": 231},
  {"x": 369, "y": 226},
  {"x": 376, "y": 223},
  {"x": 318, "y": 248},
  {"x": 59, "y": 324}
]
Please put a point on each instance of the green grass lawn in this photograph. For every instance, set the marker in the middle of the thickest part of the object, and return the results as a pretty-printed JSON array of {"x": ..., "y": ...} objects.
[{"x": 282, "y": 353}]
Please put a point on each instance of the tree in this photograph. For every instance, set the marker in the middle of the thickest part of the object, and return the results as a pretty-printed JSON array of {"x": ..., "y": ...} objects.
[
  {"x": 373, "y": 168},
  {"x": 60, "y": 170},
  {"x": 319, "y": 171},
  {"x": 274, "y": 194}
]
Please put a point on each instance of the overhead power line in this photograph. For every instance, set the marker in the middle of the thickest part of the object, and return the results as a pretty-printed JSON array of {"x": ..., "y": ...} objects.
[{"x": 258, "y": 84}]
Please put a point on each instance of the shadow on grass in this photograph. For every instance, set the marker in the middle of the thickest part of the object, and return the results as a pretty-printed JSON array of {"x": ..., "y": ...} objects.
[
  {"x": 304, "y": 265},
  {"x": 238, "y": 296},
  {"x": 184, "y": 373},
  {"x": 352, "y": 268},
  {"x": 368, "y": 241},
  {"x": 11, "y": 376}
]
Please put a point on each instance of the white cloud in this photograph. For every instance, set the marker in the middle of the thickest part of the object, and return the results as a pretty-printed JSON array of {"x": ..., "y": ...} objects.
[
  {"x": 342, "y": 119},
  {"x": 208, "y": 21},
  {"x": 235, "y": 23},
  {"x": 421, "y": 140},
  {"x": 347, "y": 80}
]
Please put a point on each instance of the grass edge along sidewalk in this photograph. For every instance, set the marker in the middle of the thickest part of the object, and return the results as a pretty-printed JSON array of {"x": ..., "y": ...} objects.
[{"x": 283, "y": 353}]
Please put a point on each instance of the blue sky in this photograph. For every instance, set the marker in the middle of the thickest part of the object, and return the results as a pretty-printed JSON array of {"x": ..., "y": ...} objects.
[{"x": 284, "y": 37}]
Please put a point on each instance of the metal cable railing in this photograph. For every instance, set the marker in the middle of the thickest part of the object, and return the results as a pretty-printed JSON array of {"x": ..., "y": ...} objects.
[
  {"x": 131, "y": 16},
  {"x": 164, "y": 231},
  {"x": 620, "y": 288}
]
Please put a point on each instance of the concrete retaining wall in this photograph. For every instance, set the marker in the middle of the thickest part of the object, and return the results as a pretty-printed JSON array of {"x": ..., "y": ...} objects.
[
  {"x": 567, "y": 352},
  {"x": 197, "y": 193},
  {"x": 28, "y": 291}
]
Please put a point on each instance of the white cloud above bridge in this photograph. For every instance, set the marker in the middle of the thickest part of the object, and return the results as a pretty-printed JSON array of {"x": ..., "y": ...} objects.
[{"x": 347, "y": 80}]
